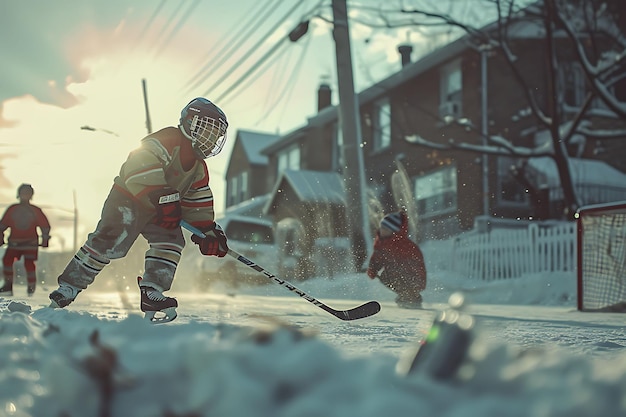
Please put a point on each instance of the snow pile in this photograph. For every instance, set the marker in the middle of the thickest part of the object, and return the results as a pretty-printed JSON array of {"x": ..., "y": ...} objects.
[{"x": 63, "y": 362}]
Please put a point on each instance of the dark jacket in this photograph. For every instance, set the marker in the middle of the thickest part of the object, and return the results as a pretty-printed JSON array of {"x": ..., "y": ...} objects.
[{"x": 402, "y": 260}]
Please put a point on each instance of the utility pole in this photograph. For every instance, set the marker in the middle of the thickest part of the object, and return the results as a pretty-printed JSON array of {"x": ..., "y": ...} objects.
[
  {"x": 354, "y": 171},
  {"x": 75, "y": 241},
  {"x": 145, "y": 103},
  {"x": 484, "y": 123}
]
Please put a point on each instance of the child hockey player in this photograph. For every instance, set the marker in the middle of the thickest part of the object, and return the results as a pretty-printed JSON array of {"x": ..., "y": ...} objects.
[
  {"x": 23, "y": 219},
  {"x": 161, "y": 183},
  {"x": 404, "y": 271}
]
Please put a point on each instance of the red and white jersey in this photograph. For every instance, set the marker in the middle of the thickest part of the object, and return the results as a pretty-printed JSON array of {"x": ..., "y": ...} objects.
[{"x": 156, "y": 164}]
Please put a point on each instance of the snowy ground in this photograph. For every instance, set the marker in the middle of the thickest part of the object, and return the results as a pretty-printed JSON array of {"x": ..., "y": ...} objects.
[{"x": 266, "y": 352}]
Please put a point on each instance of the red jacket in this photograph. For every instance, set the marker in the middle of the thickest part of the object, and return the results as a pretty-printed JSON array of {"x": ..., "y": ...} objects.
[{"x": 400, "y": 257}]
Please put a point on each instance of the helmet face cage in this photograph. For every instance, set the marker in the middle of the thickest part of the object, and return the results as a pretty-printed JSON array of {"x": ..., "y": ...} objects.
[
  {"x": 205, "y": 125},
  {"x": 207, "y": 135}
]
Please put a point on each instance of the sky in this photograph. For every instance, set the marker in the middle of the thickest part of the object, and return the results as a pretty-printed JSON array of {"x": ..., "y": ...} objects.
[
  {"x": 262, "y": 351},
  {"x": 82, "y": 63}
]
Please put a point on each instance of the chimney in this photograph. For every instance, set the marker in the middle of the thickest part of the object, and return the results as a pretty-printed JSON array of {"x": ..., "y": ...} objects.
[
  {"x": 323, "y": 96},
  {"x": 405, "y": 53}
]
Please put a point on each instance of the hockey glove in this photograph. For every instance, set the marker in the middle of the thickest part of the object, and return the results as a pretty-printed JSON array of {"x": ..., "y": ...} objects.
[
  {"x": 45, "y": 240},
  {"x": 215, "y": 242},
  {"x": 371, "y": 273},
  {"x": 166, "y": 203}
]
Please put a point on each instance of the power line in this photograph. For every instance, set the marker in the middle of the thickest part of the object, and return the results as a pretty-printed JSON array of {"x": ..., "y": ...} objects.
[
  {"x": 288, "y": 87},
  {"x": 278, "y": 76},
  {"x": 228, "y": 46},
  {"x": 178, "y": 26},
  {"x": 260, "y": 69},
  {"x": 227, "y": 73},
  {"x": 167, "y": 25},
  {"x": 142, "y": 33},
  {"x": 253, "y": 69},
  {"x": 149, "y": 23}
]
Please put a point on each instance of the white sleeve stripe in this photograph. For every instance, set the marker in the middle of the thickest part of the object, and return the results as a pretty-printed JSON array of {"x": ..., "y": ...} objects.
[
  {"x": 143, "y": 174},
  {"x": 205, "y": 188},
  {"x": 197, "y": 197}
]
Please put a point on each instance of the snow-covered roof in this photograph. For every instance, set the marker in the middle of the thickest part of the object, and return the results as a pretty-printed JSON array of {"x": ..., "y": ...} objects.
[
  {"x": 251, "y": 207},
  {"x": 544, "y": 173},
  {"x": 253, "y": 143},
  {"x": 311, "y": 187}
]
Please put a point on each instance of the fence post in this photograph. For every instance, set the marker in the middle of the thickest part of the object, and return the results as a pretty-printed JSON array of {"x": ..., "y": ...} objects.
[{"x": 533, "y": 246}]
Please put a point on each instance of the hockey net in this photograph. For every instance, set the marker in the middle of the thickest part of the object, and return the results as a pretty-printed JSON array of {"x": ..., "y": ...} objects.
[{"x": 602, "y": 257}]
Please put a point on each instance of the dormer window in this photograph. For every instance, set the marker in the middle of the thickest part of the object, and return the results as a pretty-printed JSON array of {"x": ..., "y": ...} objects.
[
  {"x": 451, "y": 87},
  {"x": 289, "y": 158},
  {"x": 382, "y": 125},
  {"x": 572, "y": 85}
]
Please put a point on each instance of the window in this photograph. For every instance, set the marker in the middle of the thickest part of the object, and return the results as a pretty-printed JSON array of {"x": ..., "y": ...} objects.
[
  {"x": 510, "y": 191},
  {"x": 243, "y": 186},
  {"x": 338, "y": 160},
  {"x": 238, "y": 188},
  {"x": 289, "y": 158},
  {"x": 382, "y": 125},
  {"x": 232, "y": 191},
  {"x": 451, "y": 86},
  {"x": 436, "y": 192},
  {"x": 249, "y": 232},
  {"x": 571, "y": 84}
]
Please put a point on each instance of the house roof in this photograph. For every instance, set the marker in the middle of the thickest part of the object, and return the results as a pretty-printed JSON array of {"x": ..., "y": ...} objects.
[
  {"x": 521, "y": 28},
  {"x": 410, "y": 71},
  {"x": 252, "y": 144},
  {"x": 252, "y": 207},
  {"x": 310, "y": 187}
]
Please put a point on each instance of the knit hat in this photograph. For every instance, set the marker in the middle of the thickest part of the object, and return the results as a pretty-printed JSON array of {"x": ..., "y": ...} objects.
[{"x": 392, "y": 222}]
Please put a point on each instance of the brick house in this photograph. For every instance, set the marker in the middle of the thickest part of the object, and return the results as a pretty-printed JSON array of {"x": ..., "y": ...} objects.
[{"x": 439, "y": 98}]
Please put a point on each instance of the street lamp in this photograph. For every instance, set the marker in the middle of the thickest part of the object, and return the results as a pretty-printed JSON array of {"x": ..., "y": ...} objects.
[{"x": 95, "y": 129}]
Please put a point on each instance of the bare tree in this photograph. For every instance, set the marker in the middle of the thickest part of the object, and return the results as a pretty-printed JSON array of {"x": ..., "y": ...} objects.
[{"x": 594, "y": 30}]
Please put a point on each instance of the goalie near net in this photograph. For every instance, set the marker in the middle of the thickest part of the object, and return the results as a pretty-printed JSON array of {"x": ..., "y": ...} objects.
[{"x": 601, "y": 268}]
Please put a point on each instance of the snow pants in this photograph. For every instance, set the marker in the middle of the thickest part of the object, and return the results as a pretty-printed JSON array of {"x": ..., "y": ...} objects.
[
  {"x": 122, "y": 221},
  {"x": 407, "y": 289},
  {"x": 14, "y": 253}
]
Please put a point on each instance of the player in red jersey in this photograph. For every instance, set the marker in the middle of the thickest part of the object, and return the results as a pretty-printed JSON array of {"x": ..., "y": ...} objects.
[{"x": 23, "y": 219}]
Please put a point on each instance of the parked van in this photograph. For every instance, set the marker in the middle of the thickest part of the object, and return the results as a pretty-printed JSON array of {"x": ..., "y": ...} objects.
[{"x": 253, "y": 238}]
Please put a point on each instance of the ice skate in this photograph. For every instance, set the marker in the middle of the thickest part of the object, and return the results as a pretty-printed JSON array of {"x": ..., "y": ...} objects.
[
  {"x": 30, "y": 290},
  {"x": 63, "y": 296},
  {"x": 6, "y": 290},
  {"x": 157, "y": 307}
]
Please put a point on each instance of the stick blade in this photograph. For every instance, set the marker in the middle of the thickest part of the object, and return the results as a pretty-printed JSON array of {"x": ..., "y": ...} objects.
[{"x": 365, "y": 310}]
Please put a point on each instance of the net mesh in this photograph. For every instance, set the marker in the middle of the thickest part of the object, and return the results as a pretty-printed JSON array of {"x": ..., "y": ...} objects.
[{"x": 602, "y": 273}]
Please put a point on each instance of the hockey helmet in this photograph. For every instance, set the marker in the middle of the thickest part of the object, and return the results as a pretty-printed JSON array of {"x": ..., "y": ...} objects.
[
  {"x": 25, "y": 188},
  {"x": 205, "y": 125}
]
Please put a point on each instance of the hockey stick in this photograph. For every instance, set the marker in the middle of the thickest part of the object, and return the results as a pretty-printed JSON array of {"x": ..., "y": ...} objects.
[{"x": 365, "y": 310}]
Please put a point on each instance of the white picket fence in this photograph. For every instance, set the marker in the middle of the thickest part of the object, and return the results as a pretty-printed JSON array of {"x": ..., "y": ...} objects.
[{"x": 511, "y": 253}]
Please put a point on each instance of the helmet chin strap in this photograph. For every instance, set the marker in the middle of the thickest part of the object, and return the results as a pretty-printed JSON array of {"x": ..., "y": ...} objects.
[
  {"x": 196, "y": 152},
  {"x": 182, "y": 129}
]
